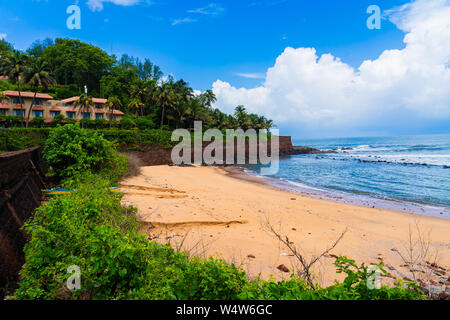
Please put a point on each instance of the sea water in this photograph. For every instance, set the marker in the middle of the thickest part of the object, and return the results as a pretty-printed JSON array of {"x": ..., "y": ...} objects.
[{"x": 409, "y": 173}]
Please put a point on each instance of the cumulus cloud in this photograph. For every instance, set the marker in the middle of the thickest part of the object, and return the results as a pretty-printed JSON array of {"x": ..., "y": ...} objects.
[
  {"x": 3, "y": 36},
  {"x": 403, "y": 89},
  {"x": 97, "y": 5}
]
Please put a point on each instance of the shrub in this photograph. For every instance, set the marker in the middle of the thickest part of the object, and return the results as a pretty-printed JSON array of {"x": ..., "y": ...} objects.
[
  {"x": 72, "y": 151},
  {"x": 144, "y": 123},
  {"x": 90, "y": 229},
  {"x": 37, "y": 122},
  {"x": 127, "y": 122}
]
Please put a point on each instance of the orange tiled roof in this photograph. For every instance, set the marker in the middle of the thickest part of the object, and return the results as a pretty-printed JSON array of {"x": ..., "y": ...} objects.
[
  {"x": 117, "y": 112},
  {"x": 94, "y": 100},
  {"x": 55, "y": 109},
  {"x": 39, "y": 108},
  {"x": 18, "y": 107},
  {"x": 27, "y": 94},
  {"x": 4, "y": 106}
]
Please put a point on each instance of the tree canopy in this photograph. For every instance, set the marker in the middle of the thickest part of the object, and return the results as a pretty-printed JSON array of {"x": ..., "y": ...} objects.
[{"x": 132, "y": 85}]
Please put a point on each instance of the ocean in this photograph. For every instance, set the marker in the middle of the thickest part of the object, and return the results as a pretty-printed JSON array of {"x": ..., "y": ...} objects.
[{"x": 408, "y": 173}]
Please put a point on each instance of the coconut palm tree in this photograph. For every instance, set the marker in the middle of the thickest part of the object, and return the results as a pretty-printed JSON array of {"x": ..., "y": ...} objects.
[
  {"x": 137, "y": 105},
  {"x": 113, "y": 104},
  {"x": 83, "y": 102},
  {"x": 37, "y": 74},
  {"x": 13, "y": 65},
  {"x": 165, "y": 97},
  {"x": 208, "y": 98},
  {"x": 179, "y": 113}
]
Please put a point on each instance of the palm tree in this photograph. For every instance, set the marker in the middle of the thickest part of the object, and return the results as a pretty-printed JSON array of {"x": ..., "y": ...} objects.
[
  {"x": 241, "y": 115},
  {"x": 165, "y": 97},
  {"x": 36, "y": 74},
  {"x": 208, "y": 98},
  {"x": 83, "y": 102},
  {"x": 139, "y": 91},
  {"x": 137, "y": 105},
  {"x": 179, "y": 113},
  {"x": 113, "y": 104},
  {"x": 13, "y": 66}
]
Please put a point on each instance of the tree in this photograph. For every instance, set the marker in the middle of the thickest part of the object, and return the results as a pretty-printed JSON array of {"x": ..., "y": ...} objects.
[
  {"x": 36, "y": 75},
  {"x": 208, "y": 98},
  {"x": 73, "y": 61},
  {"x": 13, "y": 66},
  {"x": 165, "y": 97},
  {"x": 137, "y": 105},
  {"x": 113, "y": 104},
  {"x": 38, "y": 47},
  {"x": 82, "y": 103}
]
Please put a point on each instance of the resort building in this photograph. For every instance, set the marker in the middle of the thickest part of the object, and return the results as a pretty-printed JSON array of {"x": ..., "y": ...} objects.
[{"x": 44, "y": 106}]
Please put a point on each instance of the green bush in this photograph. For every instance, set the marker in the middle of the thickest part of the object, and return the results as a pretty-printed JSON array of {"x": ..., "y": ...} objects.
[
  {"x": 127, "y": 122},
  {"x": 14, "y": 139},
  {"x": 71, "y": 152},
  {"x": 37, "y": 122},
  {"x": 90, "y": 229},
  {"x": 144, "y": 123}
]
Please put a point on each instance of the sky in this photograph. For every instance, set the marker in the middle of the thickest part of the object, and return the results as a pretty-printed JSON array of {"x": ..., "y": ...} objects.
[{"x": 312, "y": 66}]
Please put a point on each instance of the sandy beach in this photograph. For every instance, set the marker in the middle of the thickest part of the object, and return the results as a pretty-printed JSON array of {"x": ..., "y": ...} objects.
[{"x": 223, "y": 213}]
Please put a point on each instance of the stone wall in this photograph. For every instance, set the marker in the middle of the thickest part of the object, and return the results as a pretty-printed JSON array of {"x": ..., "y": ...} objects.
[
  {"x": 21, "y": 181},
  {"x": 161, "y": 156}
]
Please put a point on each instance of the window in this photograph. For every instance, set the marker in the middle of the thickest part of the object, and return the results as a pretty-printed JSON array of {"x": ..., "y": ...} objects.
[
  {"x": 19, "y": 113},
  {"x": 99, "y": 106},
  {"x": 112, "y": 117},
  {"x": 17, "y": 100},
  {"x": 3, "y": 112},
  {"x": 86, "y": 115},
  {"x": 54, "y": 114},
  {"x": 37, "y": 114},
  {"x": 99, "y": 116},
  {"x": 37, "y": 102},
  {"x": 70, "y": 115}
]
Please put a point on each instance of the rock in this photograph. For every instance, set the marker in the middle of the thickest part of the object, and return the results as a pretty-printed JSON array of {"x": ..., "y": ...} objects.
[
  {"x": 283, "y": 268},
  {"x": 293, "y": 198},
  {"x": 251, "y": 256},
  {"x": 444, "y": 296},
  {"x": 435, "y": 290},
  {"x": 391, "y": 268},
  {"x": 407, "y": 279},
  {"x": 293, "y": 229}
]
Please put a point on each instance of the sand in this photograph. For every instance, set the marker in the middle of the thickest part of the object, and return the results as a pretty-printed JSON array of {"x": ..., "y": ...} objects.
[{"x": 220, "y": 214}]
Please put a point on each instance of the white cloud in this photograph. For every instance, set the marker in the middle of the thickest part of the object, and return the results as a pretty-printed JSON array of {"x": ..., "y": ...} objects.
[
  {"x": 3, "y": 36},
  {"x": 183, "y": 20},
  {"x": 97, "y": 5},
  {"x": 401, "y": 89},
  {"x": 211, "y": 9},
  {"x": 250, "y": 75}
]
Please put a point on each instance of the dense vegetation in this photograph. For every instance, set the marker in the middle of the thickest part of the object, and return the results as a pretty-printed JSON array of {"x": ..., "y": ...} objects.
[
  {"x": 14, "y": 139},
  {"x": 64, "y": 67},
  {"x": 90, "y": 229}
]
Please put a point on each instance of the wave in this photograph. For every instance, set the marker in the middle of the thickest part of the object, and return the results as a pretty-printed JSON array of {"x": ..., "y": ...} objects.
[{"x": 442, "y": 160}]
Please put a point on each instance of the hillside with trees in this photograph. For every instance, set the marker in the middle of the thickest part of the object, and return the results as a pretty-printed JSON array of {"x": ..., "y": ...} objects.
[{"x": 139, "y": 88}]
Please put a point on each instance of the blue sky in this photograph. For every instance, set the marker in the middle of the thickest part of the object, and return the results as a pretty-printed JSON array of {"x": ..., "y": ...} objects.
[
  {"x": 312, "y": 66},
  {"x": 219, "y": 40}
]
